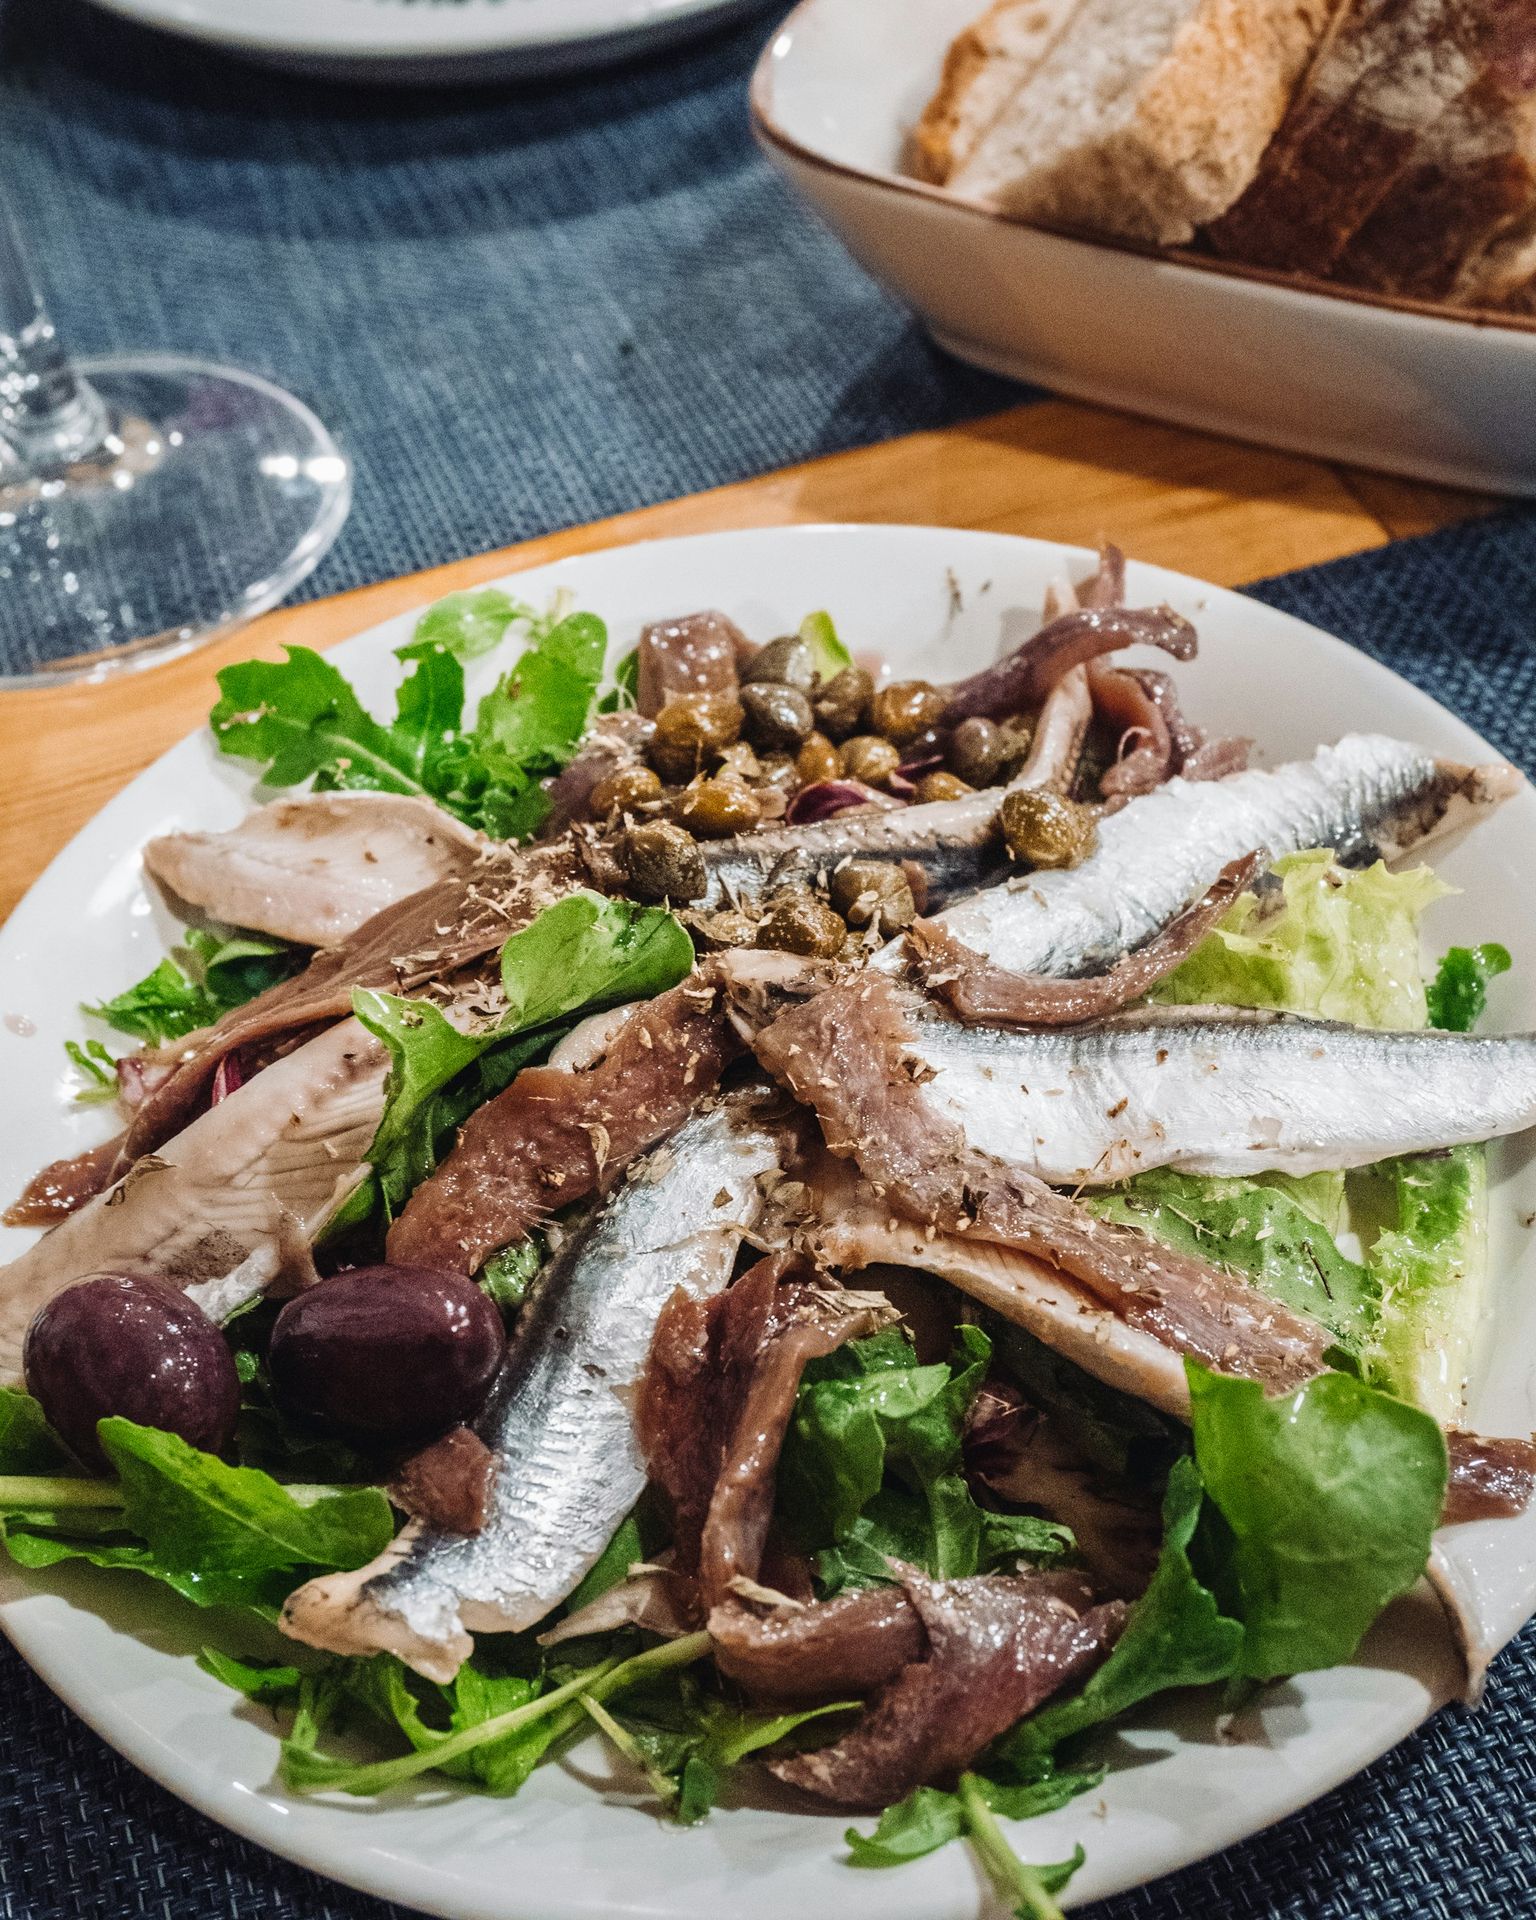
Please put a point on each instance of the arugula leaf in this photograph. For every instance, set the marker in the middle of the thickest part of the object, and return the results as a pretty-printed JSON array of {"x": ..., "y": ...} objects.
[
  {"x": 205, "y": 977},
  {"x": 828, "y": 654},
  {"x": 219, "y": 1535},
  {"x": 1328, "y": 1495},
  {"x": 1258, "y": 1231},
  {"x": 1176, "y": 1636},
  {"x": 583, "y": 954},
  {"x": 268, "y": 1682},
  {"x": 872, "y": 1466},
  {"x": 300, "y": 717},
  {"x": 930, "y": 1818},
  {"x": 27, "y": 1443},
  {"x": 507, "y": 1275},
  {"x": 467, "y": 625},
  {"x": 1459, "y": 991}
]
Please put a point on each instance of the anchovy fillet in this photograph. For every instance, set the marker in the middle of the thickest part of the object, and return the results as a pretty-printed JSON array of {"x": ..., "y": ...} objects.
[
  {"x": 1368, "y": 797},
  {"x": 1215, "y": 1090},
  {"x": 568, "y": 1463}
]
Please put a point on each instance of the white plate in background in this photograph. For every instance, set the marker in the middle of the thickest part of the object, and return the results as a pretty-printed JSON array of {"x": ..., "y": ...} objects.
[
  {"x": 440, "y": 42},
  {"x": 1442, "y": 397},
  {"x": 932, "y": 602}
]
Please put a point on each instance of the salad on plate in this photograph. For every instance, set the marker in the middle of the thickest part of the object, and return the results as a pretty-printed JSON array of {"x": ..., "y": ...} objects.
[{"x": 840, "y": 1234}]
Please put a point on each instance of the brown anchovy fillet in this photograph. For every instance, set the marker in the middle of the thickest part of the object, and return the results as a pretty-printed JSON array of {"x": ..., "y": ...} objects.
[
  {"x": 64, "y": 1186},
  {"x": 841, "y": 1648},
  {"x": 847, "y": 1055},
  {"x": 553, "y": 1136},
  {"x": 1489, "y": 1479},
  {"x": 1026, "y": 675},
  {"x": 998, "y": 1644},
  {"x": 985, "y": 995},
  {"x": 448, "y": 1485}
]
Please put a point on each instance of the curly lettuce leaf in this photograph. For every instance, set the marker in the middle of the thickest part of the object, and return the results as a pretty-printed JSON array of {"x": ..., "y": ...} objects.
[
  {"x": 1339, "y": 943},
  {"x": 1260, "y": 1232},
  {"x": 1459, "y": 991},
  {"x": 204, "y": 978}
]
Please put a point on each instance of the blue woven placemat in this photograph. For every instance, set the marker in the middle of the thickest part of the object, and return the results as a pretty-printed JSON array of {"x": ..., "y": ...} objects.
[{"x": 496, "y": 300}]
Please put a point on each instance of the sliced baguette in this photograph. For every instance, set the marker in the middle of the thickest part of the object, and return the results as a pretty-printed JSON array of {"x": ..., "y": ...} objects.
[
  {"x": 983, "y": 70},
  {"x": 1145, "y": 118}
]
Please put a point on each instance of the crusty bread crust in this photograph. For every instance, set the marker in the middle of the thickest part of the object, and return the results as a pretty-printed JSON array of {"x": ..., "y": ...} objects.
[
  {"x": 1175, "y": 146},
  {"x": 983, "y": 69}
]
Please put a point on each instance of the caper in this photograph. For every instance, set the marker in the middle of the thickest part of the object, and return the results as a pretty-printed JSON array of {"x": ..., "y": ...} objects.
[
  {"x": 786, "y": 662},
  {"x": 817, "y": 760},
  {"x": 873, "y": 893},
  {"x": 663, "y": 862},
  {"x": 939, "y": 785},
  {"x": 715, "y": 809},
  {"x": 843, "y": 702},
  {"x": 691, "y": 729},
  {"x": 1045, "y": 830},
  {"x": 798, "y": 922},
  {"x": 868, "y": 758},
  {"x": 778, "y": 770},
  {"x": 925, "y": 747},
  {"x": 976, "y": 751},
  {"x": 1016, "y": 740},
  {"x": 776, "y": 716},
  {"x": 622, "y": 791},
  {"x": 903, "y": 709}
]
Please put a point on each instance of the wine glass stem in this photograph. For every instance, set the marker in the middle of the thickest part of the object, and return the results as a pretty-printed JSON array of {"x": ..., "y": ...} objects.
[{"x": 50, "y": 416}]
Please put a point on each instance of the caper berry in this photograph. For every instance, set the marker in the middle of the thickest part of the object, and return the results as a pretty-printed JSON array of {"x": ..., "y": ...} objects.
[
  {"x": 776, "y": 716},
  {"x": 692, "y": 728},
  {"x": 786, "y": 662},
  {"x": 873, "y": 893},
  {"x": 868, "y": 758},
  {"x": 939, "y": 785},
  {"x": 976, "y": 751},
  {"x": 663, "y": 862},
  {"x": 623, "y": 790},
  {"x": 843, "y": 702},
  {"x": 902, "y": 710},
  {"x": 798, "y": 922},
  {"x": 817, "y": 760},
  {"x": 1045, "y": 830},
  {"x": 715, "y": 809}
]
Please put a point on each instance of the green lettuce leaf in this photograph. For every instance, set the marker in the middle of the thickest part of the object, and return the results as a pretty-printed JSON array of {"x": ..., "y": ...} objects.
[
  {"x": 1260, "y": 1232},
  {"x": 1459, "y": 991},
  {"x": 1339, "y": 943},
  {"x": 1327, "y": 1498},
  {"x": 1430, "y": 1266}
]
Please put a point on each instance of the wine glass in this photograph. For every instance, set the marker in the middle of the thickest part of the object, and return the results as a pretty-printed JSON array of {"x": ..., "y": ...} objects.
[{"x": 148, "y": 502}]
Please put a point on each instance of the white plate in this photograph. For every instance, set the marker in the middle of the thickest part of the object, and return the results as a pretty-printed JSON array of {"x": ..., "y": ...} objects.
[
  {"x": 435, "y": 41},
  {"x": 1341, "y": 377},
  {"x": 931, "y": 601}
]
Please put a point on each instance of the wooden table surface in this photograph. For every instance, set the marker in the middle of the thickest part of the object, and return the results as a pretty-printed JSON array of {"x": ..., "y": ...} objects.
[{"x": 1060, "y": 471}]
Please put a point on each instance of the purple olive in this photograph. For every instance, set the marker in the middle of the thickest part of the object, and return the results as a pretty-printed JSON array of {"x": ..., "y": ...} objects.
[
  {"x": 131, "y": 1344},
  {"x": 387, "y": 1353}
]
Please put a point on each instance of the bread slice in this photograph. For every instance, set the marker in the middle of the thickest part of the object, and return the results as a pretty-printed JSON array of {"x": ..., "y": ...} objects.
[
  {"x": 1145, "y": 118},
  {"x": 1408, "y": 152},
  {"x": 983, "y": 70}
]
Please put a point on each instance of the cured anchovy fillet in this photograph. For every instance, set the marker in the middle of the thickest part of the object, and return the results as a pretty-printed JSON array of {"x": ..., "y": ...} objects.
[
  {"x": 1211, "y": 1090},
  {"x": 209, "y": 1209},
  {"x": 1368, "y": 797},
  {"x": 314, "y": 868},
  {"x": 569, "y": 1462}
]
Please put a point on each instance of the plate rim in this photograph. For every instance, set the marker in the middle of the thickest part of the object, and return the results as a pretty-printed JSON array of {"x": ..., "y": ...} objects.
[{"x": 250, "y": 1814}]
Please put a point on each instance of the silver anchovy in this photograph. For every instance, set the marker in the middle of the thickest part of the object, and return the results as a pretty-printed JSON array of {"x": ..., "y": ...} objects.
[
  {"x": 1216, "y": 1090},
  {"x": 1368, "y": 797},
  {"x": 559, "y": 1419}
]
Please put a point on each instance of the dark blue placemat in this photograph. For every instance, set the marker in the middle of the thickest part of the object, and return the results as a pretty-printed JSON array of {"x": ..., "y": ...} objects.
[
  {"x": 1440, "y": 1827},
  {"x": 517, "y": 308}
]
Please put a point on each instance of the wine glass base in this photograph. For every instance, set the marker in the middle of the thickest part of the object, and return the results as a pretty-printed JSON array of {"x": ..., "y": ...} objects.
[{"x": 215, "y": 496}]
